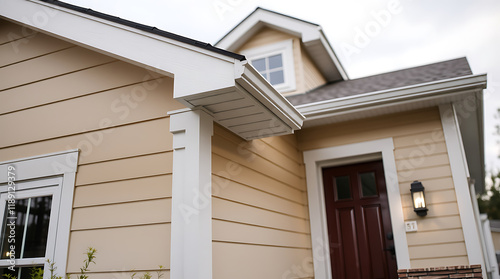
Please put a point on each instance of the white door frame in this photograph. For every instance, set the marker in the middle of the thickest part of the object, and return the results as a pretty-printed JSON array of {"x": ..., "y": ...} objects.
[{"x": 315, "y": 160}]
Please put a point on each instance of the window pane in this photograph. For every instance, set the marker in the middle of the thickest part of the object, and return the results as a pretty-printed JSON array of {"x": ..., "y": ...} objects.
[
  {"x": 343, "y": 187},
  {"x": 275, "y": 61},
  {"x": 368, "y": 184},
  {"x": 25, "y": 272},
  {"x": 38, "y": 227},
  {"x": 31, "y": 227},
  {"x": 259, "y": 64},
  {"x": 276, "y": 77},
  {"x": 16, "y": 216}
]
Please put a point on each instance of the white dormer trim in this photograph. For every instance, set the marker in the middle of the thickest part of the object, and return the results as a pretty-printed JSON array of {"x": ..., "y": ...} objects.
[
  {"x": 285, "y": 48},
  {"x": 312, "y": 36}
]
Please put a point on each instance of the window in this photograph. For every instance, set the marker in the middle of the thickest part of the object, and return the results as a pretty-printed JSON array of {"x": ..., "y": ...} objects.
[
  {"x": 35, "y": 205},
  {"x": 275, "y": 63},
  {"x": 28, "y": 225}
]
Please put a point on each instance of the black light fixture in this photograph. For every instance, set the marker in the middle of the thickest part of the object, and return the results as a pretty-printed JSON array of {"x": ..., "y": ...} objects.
[{"x": 418, "y": 197}]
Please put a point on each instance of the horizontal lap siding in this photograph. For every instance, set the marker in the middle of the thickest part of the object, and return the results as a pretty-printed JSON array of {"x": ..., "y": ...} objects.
[
  {"x": 312, "y": 76},
  {"x": 58, "y": 96},
  {"x": 260, "y": 219},
  {"x": 421, "y": 154}
]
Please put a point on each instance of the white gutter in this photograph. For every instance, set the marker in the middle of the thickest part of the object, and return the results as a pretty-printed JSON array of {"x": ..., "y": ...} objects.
[{"x": 435, "y": 89}]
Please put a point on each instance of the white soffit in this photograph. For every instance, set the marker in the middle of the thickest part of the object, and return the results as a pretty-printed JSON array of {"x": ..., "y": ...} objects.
[
  {"x": 233, "y": 91},
  {"x": 313, "y": 38},
  {"x": 252, "y": 108}
]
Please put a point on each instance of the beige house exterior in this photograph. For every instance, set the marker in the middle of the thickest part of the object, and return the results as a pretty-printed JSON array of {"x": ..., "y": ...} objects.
[{"x": 185, "y": 156}]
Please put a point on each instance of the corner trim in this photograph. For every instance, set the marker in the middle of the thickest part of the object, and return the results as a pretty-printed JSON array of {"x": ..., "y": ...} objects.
[
  {"x": 191, "y": 227},
  {"x": 318, "y": 158},
  {"x": 460, "y": 177}
]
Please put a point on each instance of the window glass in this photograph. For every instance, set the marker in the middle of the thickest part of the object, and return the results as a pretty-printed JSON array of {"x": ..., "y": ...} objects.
[
  {"x": 19, "y": 272},
  {"x": 271, "y": 68},
  {"x": 275, "y": 61},
  {"x": 343, "y": 187},
  {"x": 259, "y": 64},
  {"x": 31, "y": 216},
  {"x": 368, "y": 184},
  {"x": 276, "y": 77}
]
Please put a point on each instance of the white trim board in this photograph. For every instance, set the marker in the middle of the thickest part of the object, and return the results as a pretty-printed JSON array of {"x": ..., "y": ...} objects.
[
  {"x": 191, "y": 236},
  {"x": 350, "y": 153},
  {"x": 311, "y": 34},
  {"x": 61, "y": 164},
  {"x": 435, "y": 90},
  {"x": 460, "y": 175}
]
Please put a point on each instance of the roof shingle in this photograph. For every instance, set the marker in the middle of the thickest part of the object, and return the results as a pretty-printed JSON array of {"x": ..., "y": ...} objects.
[{"x": 411, "y": 76}]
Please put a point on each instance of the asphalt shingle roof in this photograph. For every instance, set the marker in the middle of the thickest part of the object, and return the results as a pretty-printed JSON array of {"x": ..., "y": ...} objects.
[{"x": 411, "y": 76}]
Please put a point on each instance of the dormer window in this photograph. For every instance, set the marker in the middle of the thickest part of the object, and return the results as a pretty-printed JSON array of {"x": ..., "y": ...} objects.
[{"x": 275, "y": 63}]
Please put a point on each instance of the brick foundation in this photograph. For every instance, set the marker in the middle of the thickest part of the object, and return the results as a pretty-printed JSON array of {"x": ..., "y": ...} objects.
[{"x": 456, "y": 272}]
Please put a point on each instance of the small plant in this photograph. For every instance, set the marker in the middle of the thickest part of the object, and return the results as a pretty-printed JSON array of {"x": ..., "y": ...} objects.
[
  {"x": 37, "y": 273},
  {"x": 160, "y": 271},
  {"x": 148, "y": 275},
  {"x": 86, "y": 263}
]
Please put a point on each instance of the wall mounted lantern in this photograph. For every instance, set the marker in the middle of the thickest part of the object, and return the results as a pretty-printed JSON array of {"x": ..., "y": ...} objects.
[{"x": 418, "y": 197}]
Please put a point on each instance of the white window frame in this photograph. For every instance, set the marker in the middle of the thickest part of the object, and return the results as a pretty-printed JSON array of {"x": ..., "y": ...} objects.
[
  {"x": 285, "y": 48},
  {"x": 51, "y": 174},
  {"x": 315, "y": 160}
]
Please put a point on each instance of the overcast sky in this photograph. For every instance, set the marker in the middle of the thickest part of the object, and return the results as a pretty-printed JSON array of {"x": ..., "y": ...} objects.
[{"x": 368, "y": 36}]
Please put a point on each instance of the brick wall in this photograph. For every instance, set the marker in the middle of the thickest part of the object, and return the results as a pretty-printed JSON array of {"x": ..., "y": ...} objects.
[{"x": 457, "y": 272}]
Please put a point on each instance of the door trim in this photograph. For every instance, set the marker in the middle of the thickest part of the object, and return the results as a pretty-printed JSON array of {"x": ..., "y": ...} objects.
[{"x": 346, "y": 154}]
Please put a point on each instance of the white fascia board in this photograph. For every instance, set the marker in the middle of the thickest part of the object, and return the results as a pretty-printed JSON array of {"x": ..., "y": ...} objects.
[
  {"x": 236, "y": 37},
  {"x": 460, "y": 176},
  {"x": 435, "y": 89},
  {"x": 328, "y": 48},
  {"x": 195, "y": 69},
  {"x": 250, "y": 79},
  {"x": 311, "y": 35}
]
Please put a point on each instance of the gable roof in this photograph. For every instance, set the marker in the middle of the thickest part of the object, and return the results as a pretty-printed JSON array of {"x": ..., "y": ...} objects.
[
  {"x": 311, "y": 34},
  {"x": 406, "y": 77},
  {"x": 205, "y": 76}
]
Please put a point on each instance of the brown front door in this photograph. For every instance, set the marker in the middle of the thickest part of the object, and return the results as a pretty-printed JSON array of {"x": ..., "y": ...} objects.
[{"x": 359, "y": 225}]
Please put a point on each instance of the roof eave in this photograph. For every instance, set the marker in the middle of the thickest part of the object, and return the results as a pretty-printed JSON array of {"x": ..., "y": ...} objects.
[
  {"x": 434, "y": 90},
  {"x": 251, "y": 108},
  {"x": 202, "y": 76}
]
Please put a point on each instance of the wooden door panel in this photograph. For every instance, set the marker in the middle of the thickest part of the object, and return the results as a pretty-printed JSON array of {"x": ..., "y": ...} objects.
[
  {"x": 358, "y": 221},
  {"x": 349, "y": 243},
  {"x": 372, "y": 216}
]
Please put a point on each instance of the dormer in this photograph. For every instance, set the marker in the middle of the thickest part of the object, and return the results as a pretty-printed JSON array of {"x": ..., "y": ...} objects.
[{"x": 292, "y": 54}]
